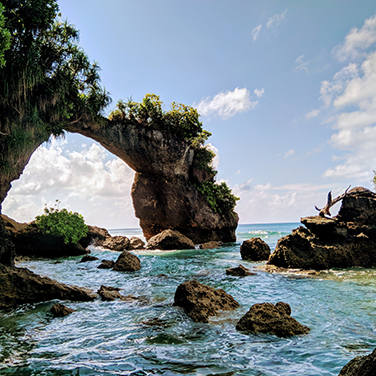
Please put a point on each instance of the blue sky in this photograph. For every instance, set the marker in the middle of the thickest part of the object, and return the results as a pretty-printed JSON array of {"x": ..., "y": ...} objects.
[{"x": 287, "y": 88}]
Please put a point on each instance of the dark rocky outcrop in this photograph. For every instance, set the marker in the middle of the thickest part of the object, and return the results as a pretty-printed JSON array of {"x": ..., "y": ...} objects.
[
  {"x": 360, "y": 366},
  {"x": 87, "y": 258},
  {"x": 210, "y": 245},
  {"x": 95, "y": 236},
  {"x": 169, "y": 240},
  {"x": 19, "y": 285},
  {"x": 136, "y": 243},
  {"x": 116, "y": 243},
  {"x": 28, "y": 241},
  {"x": 200, "y": 301},
  {"x": 348, "y": 239},
  {"x": 7, "y": 253},
  {"x": 106, "y": 264},
  {"x": 254, "y": 249},
  {"x": 60, "y": 310},
  {"x": 273, "y": 319},
  {"x": 108, "y": 293},
  {"x": 239, "y": 271},
  {"x": 127, "y": 262}
]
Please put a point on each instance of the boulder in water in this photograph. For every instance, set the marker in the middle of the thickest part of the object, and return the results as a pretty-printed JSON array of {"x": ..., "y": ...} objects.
[
  {"x": 361, "y": 366},
  {"x": 239, "y": 271},
  {"x": 60, "y": 310},
  {"x": 108, "y": 293},
  {"x": 136, "y": 243},
  {"x": 106, "y": 264},
  {"x": 127, "y": 262},
  {"x": 116, "y": 243},
  {"x": 254, "y": 249},
  {"x": 200, "y": 301},
  {"x": 169, "y": 240},
  {"x": 273, "y": 319},
  {"x": 87, "y": 258}
]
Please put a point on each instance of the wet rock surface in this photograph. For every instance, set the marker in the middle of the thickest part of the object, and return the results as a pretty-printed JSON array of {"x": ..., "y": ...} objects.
[
  {"x": 200, "y": 301},
  {"x": 254, "y": 249},
  {"x": 87, "y": 258},
  {"x": 106, "y": 264},
  {"x": 346, "y": 240},
  {"x": 136, "y": 243},
  {"x": 170, "y": 240},
  {"x": 116, "y": 243},
  {"x": 60, "y": 310},
  {"x": 272, "y": 319},
  {"x": 109, "y": 293},
  {"x": 210, "y": 245},
  {"x": 127, "y": 262},
  {"x": 239, "y": 271},
  {"x": 20, "y": 285},
  {"x": 360, "y": 366}
]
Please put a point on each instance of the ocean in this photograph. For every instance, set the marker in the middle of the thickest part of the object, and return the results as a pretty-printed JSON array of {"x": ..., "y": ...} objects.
[{"x": 149, "y": 336}]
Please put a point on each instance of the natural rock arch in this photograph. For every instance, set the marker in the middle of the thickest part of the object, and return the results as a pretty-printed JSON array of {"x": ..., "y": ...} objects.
[{"x": 163, "y": 192}]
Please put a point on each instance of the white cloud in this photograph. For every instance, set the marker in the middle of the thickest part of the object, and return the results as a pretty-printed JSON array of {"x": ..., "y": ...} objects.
[
  {"x": 301, "y": 64},
  {"x": 215, "y": 162},
  {"x": 290, "y": 153},
  {"x": 261, "y": 203},
  {"x": 86, "y": 181},
  {"x": 357, "y": 41},
  {"x": 227, "y": 104},
  {"x": 276, "y": 20},
  {"x": 259, "y": 92},
  {"x": 351, "y": 95},
  {"x": 256, "y": 32},
  {"x": 312, "y": 114}
]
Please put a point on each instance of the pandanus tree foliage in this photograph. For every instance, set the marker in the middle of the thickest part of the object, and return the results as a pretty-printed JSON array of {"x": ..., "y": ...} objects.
[{"x": 46, "y": 80}]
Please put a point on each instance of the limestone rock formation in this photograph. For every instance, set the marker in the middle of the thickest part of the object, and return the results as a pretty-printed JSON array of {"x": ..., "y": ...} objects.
[
  {"x": 28, "y": 241},
  {"x": 170, "y": 239},
  {"x": 19, "y": 286},
  {"x": 254, "y": 249},
  {"x": 60, "y": 310},
  {"x": 200, "y": 301},
  {"x": 273, "y": 319},
  {"x": 127, "y": 262},
  {"x": 360, "y": 366},
  {"x": 348, "y": 239},
  {"x": 239, "y": 271}
]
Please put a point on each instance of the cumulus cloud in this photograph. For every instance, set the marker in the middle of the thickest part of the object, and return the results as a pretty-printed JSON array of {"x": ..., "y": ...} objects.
[
  {"x": 267, "y": 203},
  {"x": 357, "y": 41},
  {"x": 215, "y": 162},
  {"x": 276, "y": 20},
  {"x": 87, "y": 181},
  {"x": 227, "y": 104},
  {"x": 256, "y": 32},
  {"x": 351, "y": 95},
  {"x": 259, "y": 92}
]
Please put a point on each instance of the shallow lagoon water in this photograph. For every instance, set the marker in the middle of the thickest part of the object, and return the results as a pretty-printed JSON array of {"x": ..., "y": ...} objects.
[{"x": 149, "y": 336}]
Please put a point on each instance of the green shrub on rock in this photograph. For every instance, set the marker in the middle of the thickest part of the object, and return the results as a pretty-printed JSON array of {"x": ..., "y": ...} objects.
[{"x": 63, "y": 223}]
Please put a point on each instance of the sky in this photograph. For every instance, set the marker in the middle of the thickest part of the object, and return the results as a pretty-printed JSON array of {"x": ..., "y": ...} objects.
[{"x": 287, "y": 89}]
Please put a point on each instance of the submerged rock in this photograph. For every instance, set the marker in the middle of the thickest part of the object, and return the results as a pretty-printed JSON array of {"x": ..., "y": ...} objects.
[
  {"x": 60, "y": 310},
  {"x": 239, "y": 271},
  {"x": 87, "y": 258},
  {"x": 200, "y": 301},
  {"x": 169, "y": 240},
  {"x": 20, "y": 285},
  {"x": 108, "y": 293},
  {"x": 346, "y": 240},
  {"x": 127, "y": 262},
  {"x": 106, "y": 264},
  {"x": 254, "y": 249},
  {"x": 360, "y": 366},
  {"x": 210, "y": 245},
  {"x": 273, "y": 319}
]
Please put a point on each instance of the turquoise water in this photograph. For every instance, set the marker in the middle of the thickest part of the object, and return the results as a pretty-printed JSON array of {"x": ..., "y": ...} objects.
[{"x": 149, "y": 336}]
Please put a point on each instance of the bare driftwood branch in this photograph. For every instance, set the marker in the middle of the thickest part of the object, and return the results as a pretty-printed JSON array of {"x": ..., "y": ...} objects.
[{"x": 326, "y": 209}]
